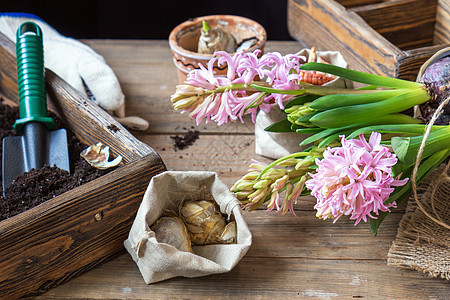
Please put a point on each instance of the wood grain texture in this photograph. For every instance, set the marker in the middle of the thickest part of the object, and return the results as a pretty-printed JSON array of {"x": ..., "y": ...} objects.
[
  {"x": 413, "y": 60},
  {"x": 290, "y": 257},
  {"x": 77, "y": 230},
  {"x": 329, "y": 26},
  {"x": 373, "y": 37},
  {"x": 8, "y": 69},
  {"x": 356, "y": 3},
  {"x": 406, "y": 24},
  {"x": 259, "y": 278},
  {"x": 442, "y": 26}
]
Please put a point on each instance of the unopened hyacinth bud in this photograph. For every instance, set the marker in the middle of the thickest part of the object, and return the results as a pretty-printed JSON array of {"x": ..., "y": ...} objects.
[
  {"x": 289, "y": 162},
  {"x": 318, "y": 151},
  {"x": 251, "y": 175},
  {"x": 242, "y": 195},
  {"x": 293, "y": 192},
  {"x": 280, "y": 183},
  {"x": 243, "y": 185},
  {"x": 273, "y": 174},
  {"x": 186, "y": 103},
  {"x": 264, "y": 183},
  {"x": 305, "y": 164},
  {"x": 256, "y": 166},
  {"x": 187, "y": 97},
  {"x": 185, "y": 91},
  {"x": 287, "y": 203},
  {"x": 261, "y": 184},
  {"x": 294, "y": 174},
  {"x": 299, "y": 187},
  {"x": 296, "y": 113},
  {"x": 253, "y": 189},
  {"x": 258, "y": 195}
]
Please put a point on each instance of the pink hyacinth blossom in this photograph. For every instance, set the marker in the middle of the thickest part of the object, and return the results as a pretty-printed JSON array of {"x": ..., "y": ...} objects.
[
  {"x": 227, "y": 98},
  {"x": 354, "y": 179}
]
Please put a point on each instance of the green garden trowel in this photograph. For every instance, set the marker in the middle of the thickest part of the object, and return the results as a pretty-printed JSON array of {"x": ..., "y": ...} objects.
[{"x": 38, "y": 145}]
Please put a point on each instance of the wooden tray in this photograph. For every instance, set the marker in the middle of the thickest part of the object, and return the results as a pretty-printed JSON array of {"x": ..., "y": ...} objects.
[
  {"x": 390, "y": 37},
  {"x": 79, "y": 229}
]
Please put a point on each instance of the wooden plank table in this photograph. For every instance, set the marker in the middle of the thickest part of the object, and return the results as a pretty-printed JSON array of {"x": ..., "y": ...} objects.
[{"x": 291, "y": 256}]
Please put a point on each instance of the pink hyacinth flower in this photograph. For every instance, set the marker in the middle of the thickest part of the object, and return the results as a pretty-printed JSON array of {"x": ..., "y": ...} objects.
[
  {"x": 354, "y": 179},
  {"x": 230, "y": 97}
]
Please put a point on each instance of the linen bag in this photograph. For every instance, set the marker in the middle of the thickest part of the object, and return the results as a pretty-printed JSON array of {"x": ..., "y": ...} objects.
[
  {"x": 421, "y": 243},
  {"x": 275, "y": 144},
  {"x": 160, "y": 261}
]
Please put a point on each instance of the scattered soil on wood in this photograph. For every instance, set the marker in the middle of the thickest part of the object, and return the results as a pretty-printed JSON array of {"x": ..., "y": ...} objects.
[
  {"x": 188, "y": 139},
  {"x": 113, "y": 127},
  {"x": 37, "y": 186}
]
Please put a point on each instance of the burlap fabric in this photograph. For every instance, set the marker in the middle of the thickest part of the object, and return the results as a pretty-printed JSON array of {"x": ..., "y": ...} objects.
[
  {"x": 279, "y": 144},
  {"x": 160, "y": 261},
  {"x": 422, "y": 243}
]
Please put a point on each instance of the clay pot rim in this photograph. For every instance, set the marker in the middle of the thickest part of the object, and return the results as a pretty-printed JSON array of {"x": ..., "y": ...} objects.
[{"x": 262, "y": 36}]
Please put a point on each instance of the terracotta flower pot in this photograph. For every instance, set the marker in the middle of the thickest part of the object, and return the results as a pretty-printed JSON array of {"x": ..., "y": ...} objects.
[{"x": 184, "y": 38}]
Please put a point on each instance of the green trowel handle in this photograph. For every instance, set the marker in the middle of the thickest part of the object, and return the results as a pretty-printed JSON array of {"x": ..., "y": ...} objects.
[{"x": 30, "y": 77}]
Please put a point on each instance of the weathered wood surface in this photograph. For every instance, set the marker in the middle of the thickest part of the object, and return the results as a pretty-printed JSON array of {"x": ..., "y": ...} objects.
[
  {"x": 81, "y": 228},
  {"x": 325, "y": 23},
  {"x": 291, "y": 256},
  {"x": 406, "y": 24},
  {"x": 373, "y": 36},
  {"x": 442, "y": 26}
]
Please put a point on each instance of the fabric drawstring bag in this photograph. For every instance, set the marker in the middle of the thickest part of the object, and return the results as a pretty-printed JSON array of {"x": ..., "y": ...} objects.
[{"x": 166, "y": 191}]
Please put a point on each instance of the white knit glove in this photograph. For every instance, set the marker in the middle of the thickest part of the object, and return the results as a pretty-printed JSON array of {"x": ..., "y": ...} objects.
[{"x": 76, "y": 63}]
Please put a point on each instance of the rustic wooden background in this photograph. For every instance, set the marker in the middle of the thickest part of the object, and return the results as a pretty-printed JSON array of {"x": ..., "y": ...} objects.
[{"x": 291, "y": 256}]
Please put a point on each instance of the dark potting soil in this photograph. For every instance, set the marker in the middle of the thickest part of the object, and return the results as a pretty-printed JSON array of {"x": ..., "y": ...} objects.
[
  {"x": 37, "y": 186},
  {"x": 188, "y": 139}
]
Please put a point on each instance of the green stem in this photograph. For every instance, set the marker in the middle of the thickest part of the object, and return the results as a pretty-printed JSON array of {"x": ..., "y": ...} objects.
[
  {"x": 396, "y": 128},
  {"x": 361, "y": 77},
  {"x": 233, "y": 87},
  {"x": 312, "y": 90},
  {"x": 406, "y": 148},
  {"x": 387, "y": 119},
  {"x": 348, "y": 115},
  {"x": 302, "y": 99},
  {"x": 339, "y": 100},
  {"x": 256, "y": 102}
]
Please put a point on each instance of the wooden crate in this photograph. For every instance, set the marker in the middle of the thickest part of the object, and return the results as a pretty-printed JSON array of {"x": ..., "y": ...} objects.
[
  {"x": 386, "y": 37},
  {"x": 79, "y": 229}
]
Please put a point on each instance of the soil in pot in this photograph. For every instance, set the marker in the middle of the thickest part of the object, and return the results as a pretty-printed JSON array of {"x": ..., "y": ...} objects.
[{"x": 37, "y": 186}]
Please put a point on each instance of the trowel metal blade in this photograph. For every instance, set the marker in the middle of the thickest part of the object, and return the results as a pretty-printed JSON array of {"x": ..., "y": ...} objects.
[{"x": 14, "y": 160}]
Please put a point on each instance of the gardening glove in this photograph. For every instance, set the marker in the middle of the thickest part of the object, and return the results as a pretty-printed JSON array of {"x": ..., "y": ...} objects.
[{"x": 79, "y": 65}]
